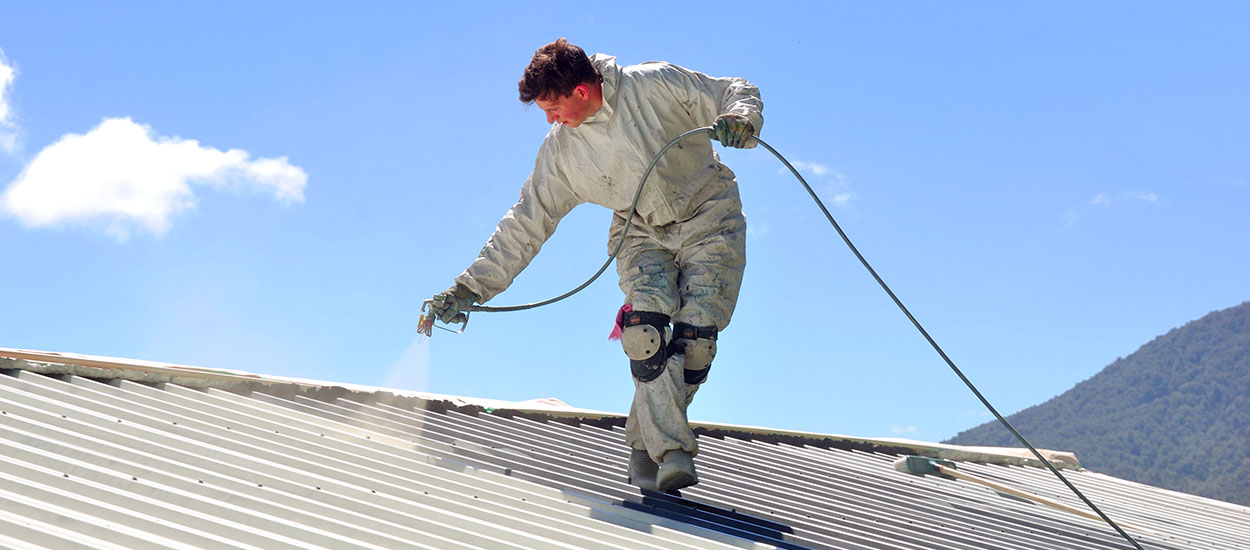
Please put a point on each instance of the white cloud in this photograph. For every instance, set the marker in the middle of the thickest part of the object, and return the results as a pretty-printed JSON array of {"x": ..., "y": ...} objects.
[
  {"x": 840, "y": 189},
  {"x": 836, "y": 183},
  {"x": 8, "y": 128},
  {"x": 815, "y": 168},
  {"x": 900, "y": 430},
  {"x": 1105, "y": 201},
  {"x": 122, "y": 176}
]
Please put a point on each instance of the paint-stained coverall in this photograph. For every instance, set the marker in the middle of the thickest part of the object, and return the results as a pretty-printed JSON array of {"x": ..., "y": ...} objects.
[{"x": 685, "y": 253}]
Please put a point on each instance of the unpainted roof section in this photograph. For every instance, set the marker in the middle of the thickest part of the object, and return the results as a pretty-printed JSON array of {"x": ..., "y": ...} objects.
[{"x": 137, "y": 370}]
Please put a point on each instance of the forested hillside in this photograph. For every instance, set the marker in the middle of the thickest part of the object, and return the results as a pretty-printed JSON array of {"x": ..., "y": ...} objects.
[{"x": 1174, "y": 414}]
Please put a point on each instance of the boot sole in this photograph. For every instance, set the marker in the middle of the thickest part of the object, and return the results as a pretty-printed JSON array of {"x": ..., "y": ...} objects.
[{"x": 676, "y": 480}]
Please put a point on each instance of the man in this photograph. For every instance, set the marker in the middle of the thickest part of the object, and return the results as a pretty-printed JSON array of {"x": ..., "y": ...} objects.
[{"x": 683, "y": 258}]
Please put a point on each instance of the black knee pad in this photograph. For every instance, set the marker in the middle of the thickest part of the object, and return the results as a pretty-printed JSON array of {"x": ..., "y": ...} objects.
[
  {"x": 698, "y": 344},
  {"x": 644, "y": 336}
]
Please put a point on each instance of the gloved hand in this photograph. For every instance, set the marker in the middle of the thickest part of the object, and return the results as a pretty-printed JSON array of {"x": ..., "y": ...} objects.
[
  {"x": 450, "y": 306},
  {"x": 733, "y": 130}
]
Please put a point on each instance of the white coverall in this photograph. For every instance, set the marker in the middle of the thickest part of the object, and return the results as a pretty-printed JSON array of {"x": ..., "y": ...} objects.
[{"x": 685, "y": 253}]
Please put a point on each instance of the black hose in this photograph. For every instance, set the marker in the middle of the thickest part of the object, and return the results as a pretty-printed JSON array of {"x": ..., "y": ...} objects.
[{"x": 946, "y": 358}]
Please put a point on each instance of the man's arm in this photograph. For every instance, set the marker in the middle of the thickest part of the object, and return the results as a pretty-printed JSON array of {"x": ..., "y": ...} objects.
[
  {"x": 545, "y": 198},
  {"x": 707, "y": 98}
]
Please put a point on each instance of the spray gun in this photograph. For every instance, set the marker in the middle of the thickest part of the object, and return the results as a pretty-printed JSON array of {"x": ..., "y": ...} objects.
[{"x": 426, "y": 324}]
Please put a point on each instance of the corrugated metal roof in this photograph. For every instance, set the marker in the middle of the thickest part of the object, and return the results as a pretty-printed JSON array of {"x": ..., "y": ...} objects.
[{"x": 102, "y": 462}]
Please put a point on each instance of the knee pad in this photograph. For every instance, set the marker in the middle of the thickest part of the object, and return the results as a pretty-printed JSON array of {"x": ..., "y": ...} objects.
[
  {"x": 645, "y": 338},
  {"x": 698, "y": 344}
]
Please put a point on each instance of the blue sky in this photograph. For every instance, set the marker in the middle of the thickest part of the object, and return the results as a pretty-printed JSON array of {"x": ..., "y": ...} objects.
[{"x": 276, "y": 187}]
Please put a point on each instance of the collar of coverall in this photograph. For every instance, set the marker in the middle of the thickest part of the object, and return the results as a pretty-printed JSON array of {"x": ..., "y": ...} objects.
[{"x": 609, "y": 70}]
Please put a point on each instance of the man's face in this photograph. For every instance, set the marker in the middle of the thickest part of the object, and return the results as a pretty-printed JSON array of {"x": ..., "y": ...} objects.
[{"x": 570, "y": 110}]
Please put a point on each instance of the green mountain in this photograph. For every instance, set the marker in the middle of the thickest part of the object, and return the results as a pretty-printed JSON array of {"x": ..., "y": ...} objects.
[{"x": 1174, "y": 414}]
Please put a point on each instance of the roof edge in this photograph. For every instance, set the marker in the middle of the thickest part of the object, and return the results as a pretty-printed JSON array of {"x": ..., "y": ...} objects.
[{"x": 92, "y": 366}]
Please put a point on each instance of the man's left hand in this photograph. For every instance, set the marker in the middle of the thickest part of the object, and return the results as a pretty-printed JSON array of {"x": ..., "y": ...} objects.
[{"x": 733, "y": 130}]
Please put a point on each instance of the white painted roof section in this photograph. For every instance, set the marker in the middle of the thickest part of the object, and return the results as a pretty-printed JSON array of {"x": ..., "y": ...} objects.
[
  {"x": 48, "y": 362},
  {"x": 98, "y": 459},
  {"x": 139, "y": 369}
]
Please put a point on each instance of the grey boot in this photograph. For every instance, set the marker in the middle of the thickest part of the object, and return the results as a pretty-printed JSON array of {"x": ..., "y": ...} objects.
[
  {"x": 676, "y": 472},
  {"x": 642, "y": 469}
]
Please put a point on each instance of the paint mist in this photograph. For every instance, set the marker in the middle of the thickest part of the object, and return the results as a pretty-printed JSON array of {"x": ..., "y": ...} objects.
[{"x": 411, "y": 371}]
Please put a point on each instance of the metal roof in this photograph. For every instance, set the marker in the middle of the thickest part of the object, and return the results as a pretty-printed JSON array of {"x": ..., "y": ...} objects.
[{"x": 193, "y": 460}]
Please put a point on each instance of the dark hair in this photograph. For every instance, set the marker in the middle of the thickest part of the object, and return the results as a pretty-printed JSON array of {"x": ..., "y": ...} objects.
[{"x": 556, "y": 69}]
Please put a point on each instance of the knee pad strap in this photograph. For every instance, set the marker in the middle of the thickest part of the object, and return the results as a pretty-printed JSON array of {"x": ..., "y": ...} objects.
[
  {"x": 645, "y": 339},
  {"x": 691, "y": 332}
]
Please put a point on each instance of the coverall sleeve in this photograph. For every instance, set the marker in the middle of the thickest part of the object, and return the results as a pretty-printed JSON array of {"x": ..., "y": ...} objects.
[
  {"x": 706, "y": 97},
  {"x": 545, "y": 198}
]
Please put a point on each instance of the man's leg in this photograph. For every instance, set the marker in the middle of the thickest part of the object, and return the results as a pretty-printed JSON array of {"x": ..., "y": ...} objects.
[
  {"x": 657, "y": 421},
  {"x": 700, "y": 284},
  {"x": 658, "y": 415},
  {"x": 710, "y": 262}
]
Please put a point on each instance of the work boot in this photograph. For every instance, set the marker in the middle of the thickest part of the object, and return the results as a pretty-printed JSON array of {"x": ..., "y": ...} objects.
[
  {"x": 642, "y": 469},
  {"x": 676, "y": 472}
]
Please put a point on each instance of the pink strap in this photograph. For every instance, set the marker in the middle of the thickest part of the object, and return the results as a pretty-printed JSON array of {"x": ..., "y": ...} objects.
[{"x": 620, "y": 322}]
